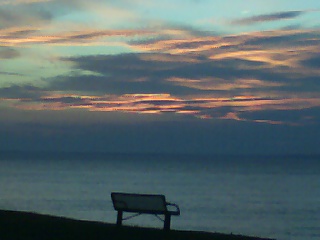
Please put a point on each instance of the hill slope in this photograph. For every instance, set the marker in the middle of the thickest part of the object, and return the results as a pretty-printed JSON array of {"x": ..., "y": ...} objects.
[{"x": 31, "y": 226}]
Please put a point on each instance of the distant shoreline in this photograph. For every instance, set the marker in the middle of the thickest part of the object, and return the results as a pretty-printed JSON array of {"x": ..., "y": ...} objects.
[
  {"x": 161, "y": 154},
  {"x": 16, "y": 225}
]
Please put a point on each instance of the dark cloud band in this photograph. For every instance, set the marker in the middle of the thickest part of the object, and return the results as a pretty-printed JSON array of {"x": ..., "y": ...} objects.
[{"x": 268, "y": 17}]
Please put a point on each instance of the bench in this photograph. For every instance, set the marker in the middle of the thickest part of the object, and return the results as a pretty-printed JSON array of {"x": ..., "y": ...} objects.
[{"x": 143, "y": 204}]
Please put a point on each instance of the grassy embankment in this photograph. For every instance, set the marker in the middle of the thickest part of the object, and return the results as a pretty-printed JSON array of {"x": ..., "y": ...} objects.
[{"x": 30, "y": 226}]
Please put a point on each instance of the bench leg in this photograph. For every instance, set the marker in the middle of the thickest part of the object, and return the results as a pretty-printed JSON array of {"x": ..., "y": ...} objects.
[
  {"x": 167, "y": 220},
  {"x": 119, "y": 218}
]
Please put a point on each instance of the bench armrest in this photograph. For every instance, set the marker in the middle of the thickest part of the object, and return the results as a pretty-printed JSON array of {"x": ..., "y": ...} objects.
[{"x": 177, "y": 210}]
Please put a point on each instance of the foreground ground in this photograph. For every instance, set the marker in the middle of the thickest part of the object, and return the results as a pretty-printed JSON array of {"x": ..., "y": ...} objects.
[{"x": 31, "y": 226}]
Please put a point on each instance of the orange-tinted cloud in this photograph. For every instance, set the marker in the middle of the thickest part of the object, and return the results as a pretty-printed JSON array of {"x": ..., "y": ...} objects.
[
  {"x": 31, "y": 36},
  {"x": 276, "y": 49},
  {"x": 204, "y": 108},
  {"x": 218, "y": 77},
  {"x": 222, "y": 84}
]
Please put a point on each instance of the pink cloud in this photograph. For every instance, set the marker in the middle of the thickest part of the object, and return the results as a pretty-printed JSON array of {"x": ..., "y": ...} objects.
[{"x": 166, "y": 103}]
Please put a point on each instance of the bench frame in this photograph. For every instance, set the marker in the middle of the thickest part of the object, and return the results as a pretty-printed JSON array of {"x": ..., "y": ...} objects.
[{"x": 124, "y": 208}]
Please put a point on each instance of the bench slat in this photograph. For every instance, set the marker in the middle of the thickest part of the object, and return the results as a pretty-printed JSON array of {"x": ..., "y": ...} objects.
[{"x": 144, "y": 203}]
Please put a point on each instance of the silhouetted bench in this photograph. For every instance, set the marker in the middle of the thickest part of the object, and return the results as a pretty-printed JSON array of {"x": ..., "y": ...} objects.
[{"x": 143, "y": 204}]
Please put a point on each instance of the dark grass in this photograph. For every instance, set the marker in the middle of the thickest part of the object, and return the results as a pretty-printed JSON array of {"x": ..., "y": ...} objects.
[{"x": 31, "y": 226}]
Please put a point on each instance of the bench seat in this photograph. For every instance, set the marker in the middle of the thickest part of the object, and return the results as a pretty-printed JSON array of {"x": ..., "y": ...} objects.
[{"x": 144, "y": 204}]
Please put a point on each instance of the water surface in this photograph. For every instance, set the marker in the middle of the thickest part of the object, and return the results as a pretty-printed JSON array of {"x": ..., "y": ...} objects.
[{"x": 276, "y": 197}]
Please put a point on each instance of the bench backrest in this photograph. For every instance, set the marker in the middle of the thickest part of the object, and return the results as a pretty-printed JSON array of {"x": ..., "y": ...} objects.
[{"x": 142, "y": 203}]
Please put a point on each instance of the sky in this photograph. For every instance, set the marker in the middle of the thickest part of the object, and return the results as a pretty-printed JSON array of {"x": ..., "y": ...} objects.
[{"x": 178, "y": 76}]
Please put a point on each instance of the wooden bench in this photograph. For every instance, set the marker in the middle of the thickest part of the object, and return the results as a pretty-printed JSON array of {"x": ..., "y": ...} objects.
[{"x": 143, "y": 204}]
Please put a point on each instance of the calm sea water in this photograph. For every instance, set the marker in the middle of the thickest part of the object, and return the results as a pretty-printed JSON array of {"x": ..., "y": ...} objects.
[{"x": 277, "y": 197}]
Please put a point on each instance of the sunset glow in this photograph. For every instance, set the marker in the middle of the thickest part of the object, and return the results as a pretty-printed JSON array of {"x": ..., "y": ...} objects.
[{"x": 149, "y": 62}]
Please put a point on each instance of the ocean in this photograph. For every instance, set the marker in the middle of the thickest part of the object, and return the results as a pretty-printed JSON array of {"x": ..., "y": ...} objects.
[{"x": 266, "y": 196}]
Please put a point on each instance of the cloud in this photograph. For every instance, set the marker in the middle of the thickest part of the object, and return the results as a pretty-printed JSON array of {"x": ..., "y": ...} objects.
[
  {"x": 16, "y": 2},
  {"x": 16, "y": 92},
  {"x": 208, "y": 77},
  {"x": 25, "y": 15},
  {"x": 238, "y": 108},
  {"x": 10, "y": 73},
  {"x": 117, "y": 84},
  {"x": 313, "y": 62},
  {"x": 268, "y": 17},
  {"x": 8, "y": 53},
  {"x": 293, "y": 117},
  {"x": 280, "y": 50},
  {"x": 32, "y": 36},
  {"x": 158, "y": 73},
  {"x": 205, "y": 75},
  {"x": 216, "y": 84},
  {"x": 53, "y": 19}
]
